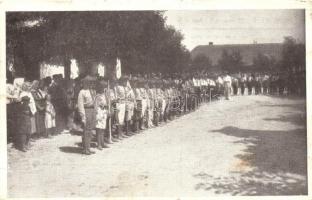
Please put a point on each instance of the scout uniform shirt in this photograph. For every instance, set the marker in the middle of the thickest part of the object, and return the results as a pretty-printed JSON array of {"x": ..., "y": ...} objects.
[
  {"x": 101, "y": 108},
  {"x": 86, "y": 99},
  {"x": 130, "y": 102},
  {"x": 121, "y": 104}
]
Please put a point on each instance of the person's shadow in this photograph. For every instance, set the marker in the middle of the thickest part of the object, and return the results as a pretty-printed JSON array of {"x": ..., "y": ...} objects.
[{"x": 69, "y": 149}]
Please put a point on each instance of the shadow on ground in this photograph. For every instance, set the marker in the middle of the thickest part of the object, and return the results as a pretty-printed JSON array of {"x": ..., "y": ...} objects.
[
  {"x": 294, "y": 106},
  {"x": 68, "y": 149},
  {"x": 296, "y": 119},
  {"x": 277, "y": 159}
]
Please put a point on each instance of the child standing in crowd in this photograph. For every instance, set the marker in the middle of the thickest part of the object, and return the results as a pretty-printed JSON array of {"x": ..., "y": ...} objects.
[
  {"x": 49, "y": 117},
  {"x": 101, "y": 108},
  {"x": 23, "y": 124}
]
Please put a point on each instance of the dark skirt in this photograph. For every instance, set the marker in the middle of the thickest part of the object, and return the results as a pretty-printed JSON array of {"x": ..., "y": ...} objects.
[{"x": 40, "y": 126}]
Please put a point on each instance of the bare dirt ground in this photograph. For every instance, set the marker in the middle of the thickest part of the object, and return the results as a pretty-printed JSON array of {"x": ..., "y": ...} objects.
[{"x": 250, "y": 145}]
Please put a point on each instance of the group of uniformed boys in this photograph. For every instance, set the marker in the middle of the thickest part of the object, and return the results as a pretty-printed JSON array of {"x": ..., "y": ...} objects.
[{"x": 117, "y": 109}]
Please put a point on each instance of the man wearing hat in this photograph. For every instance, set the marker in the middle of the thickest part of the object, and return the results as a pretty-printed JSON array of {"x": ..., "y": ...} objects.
[{"x": 86, "y": 103}]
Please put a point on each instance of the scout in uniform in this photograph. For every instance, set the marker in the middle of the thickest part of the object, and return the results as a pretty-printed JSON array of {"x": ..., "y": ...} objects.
[
  {"x": 102, "y": 112},
  {"x": 138, "y": 108},
  {"x": 161, "y": 101},
  {"x": 249, "y": 84},
  {"x": 167, "y": 102},
  {"x": 130, "y": 104},
  {"x": 242, "y": 83},
  {"x": 235, "y": 85},
  {"x": 144, "y": 105},
  {"x": 86, "y": 100},
  {"x": 156, "y": 111},
  {"x": 151, "y": 104},
  {"x": 227, "y": 85},
  {"x": 111, "y": 98},
  {"x": 120, "y": 108}
]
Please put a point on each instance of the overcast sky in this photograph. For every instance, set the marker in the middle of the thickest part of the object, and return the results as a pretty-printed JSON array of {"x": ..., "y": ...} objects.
[{"x": 237, "y": 26}]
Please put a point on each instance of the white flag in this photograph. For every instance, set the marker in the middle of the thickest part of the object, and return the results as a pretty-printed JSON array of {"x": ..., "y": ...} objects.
[
  {"x": 101, "y": 70},
  {"x": 118, "y": 68}
]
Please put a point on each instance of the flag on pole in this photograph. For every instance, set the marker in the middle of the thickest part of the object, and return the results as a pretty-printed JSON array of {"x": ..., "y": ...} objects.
[
  {"x": 194, "y": 82},
  {"x": 118, "y": 68},
  {"x": 101, "y": 70}
]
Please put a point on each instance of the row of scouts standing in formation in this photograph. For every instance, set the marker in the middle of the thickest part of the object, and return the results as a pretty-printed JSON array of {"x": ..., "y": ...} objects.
[{"x": 116, "y": 109}]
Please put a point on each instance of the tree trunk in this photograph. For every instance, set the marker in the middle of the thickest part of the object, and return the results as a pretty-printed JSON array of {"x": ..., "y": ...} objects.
[{"x": 67, "y": 68}]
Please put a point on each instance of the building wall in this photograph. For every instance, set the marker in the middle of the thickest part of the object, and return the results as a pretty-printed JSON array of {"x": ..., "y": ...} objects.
[{"x": 248, "y": 51}]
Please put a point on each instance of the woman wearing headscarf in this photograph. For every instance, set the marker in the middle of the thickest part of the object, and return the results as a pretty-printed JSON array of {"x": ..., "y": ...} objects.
[
  {"x": 39, "y": 95},
  {"x": 25, "y": 92}
]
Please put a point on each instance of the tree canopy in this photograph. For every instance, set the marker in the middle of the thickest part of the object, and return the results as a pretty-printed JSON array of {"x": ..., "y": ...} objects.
[
  {"x": 264, "y": 62},
  {"x": 140, "y": 39},
  {"x": 293, "y": 54},
  {"x": 201, "y": 62},
  {"x": 231, "y": 61}
]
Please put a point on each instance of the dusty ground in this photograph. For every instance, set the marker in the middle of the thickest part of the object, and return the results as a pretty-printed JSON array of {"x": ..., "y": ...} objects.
[{"x": 253, "y": 145}]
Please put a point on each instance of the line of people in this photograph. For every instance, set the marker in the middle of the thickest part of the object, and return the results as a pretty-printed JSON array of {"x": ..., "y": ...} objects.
[{"x": 116, "y": 109}]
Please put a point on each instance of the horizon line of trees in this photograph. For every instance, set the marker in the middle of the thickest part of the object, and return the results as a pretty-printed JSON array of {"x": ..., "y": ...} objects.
[{"x": 292, "y": 58}]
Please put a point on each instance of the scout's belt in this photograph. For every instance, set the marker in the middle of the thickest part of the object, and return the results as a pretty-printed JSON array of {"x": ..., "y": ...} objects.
[
  {"x": 89, "y": 107},
  {"x": 121, "y": 101}
]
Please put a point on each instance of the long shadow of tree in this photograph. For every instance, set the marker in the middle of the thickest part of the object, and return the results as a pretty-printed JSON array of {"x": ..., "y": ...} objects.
[
  {"x": 278, "y": 160},
  {"x": 296, "y": 119},
  {"x": 293, "y": 106}
]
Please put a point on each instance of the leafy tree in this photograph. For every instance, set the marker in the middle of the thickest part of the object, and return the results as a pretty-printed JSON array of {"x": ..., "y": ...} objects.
[
  {"x": 201, "y": 62},
  {"x": 230, "y": 61},
  {"x": 264, "y": 62},
  {"x": 140, "y": 39},
  {"x": 293, "y": 54}
]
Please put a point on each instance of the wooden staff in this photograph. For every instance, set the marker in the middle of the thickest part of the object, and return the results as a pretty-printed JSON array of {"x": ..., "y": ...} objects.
[
  {"x": 186, "y": 101},
  {"x": 110, "y": 118}
]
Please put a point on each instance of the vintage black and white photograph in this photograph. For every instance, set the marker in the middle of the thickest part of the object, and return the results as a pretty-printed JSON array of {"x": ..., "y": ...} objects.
[{"x": 156, "y": 103}]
